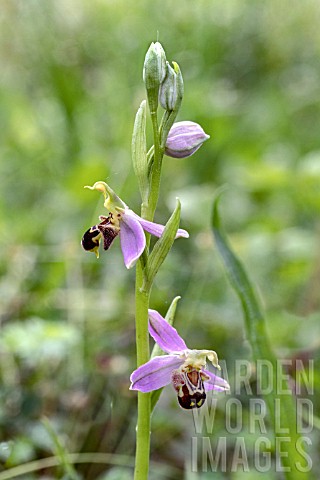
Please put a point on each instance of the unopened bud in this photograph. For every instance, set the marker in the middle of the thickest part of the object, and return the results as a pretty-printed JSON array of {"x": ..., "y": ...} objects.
[
  {"x": 184, "y": 139},
  {"x": 171, "y": 90},
  {"x": 154, "y": 72}
]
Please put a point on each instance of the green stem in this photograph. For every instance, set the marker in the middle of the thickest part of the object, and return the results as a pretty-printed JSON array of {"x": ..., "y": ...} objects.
[
  {"x": 143, "y": 355},
  {"x": 156, "y": 168},
  {"x": 142, "y": 306}
]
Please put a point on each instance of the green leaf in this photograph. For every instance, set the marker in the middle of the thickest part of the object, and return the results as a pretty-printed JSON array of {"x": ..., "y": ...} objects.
[
  {"x": 171, "y": 312},
  {"x": 155, "y": 395},
  {"x": 139, "y": 151},
  {"x": 284, "y": 419},
  {"x": 161, "y": 248}
]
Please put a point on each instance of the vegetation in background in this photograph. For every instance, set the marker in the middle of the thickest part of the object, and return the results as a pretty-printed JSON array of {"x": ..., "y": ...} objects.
[{"x": 70, "y": 86}]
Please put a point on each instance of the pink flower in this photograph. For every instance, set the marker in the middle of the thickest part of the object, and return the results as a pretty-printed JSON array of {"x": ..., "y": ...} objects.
[
  {"x": 185, "y": 369},
  {"x": 123, "y": 222}
]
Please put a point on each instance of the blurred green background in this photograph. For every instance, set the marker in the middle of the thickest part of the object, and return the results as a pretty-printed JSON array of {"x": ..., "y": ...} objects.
[{"x": 71, "y": 82}]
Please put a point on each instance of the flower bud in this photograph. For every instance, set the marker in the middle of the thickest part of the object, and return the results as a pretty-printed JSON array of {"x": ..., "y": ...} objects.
[
  {"x": 184, "y": 139},
  {"x": 171, "y": 89},
  {"x": 154, "y": 72}
]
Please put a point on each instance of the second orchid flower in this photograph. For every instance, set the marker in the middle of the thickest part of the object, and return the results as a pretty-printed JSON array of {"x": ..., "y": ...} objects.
[{"x": 184, "y": 368}]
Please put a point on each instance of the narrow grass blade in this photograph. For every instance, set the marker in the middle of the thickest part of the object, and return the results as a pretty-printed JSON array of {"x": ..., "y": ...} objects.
[
  {"x": 65, "y": 465},
  {"x": 280, "y": 402}
]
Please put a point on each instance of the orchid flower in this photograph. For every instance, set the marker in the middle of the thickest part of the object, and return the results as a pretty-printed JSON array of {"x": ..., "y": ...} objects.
[
  {"x": 184, "y": 368},
  {"x": 123, "y": 222}
]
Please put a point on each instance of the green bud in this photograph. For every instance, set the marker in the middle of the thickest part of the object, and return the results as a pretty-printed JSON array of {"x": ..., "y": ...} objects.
[
  {"x": 171, "y": 90},
  {"x": 154, "y": 72}
]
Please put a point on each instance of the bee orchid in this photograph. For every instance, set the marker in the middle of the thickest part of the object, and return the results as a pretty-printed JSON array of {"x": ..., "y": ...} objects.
[
  {"x": 123, "y": 222},
  {"x": 185, "y": 369}
]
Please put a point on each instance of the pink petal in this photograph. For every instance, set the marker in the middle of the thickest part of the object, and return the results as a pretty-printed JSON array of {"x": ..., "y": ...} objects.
[
  {"x": 132, "y": 239},
  {"x": 155, "y": 228},
  {"x": 154, "y": 374},
  {"x": 164, "y": 334},
  {"x": 215, "y": 383}
]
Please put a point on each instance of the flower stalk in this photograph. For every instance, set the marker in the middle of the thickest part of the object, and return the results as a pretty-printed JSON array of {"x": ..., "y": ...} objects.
[
  {"x": 164, "y": 87},
  {"x": 148, "y": 207},
  {"x": 143, "y": 287},
  {"x": 143, "y": 355},
  {"x": 165, "y": 83},
  {"x": 156, "y": 168}
]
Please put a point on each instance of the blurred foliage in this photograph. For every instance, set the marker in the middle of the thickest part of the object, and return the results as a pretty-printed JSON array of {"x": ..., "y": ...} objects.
[{"x": 71, "y": 82}]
